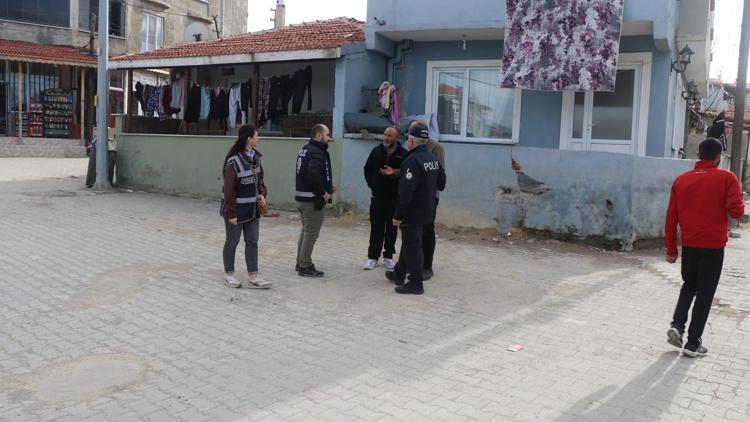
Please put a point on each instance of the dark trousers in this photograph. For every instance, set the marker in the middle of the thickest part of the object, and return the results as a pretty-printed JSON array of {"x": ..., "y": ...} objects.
[
  {"x": 382, "y": 230},
  {"x": 251, "y": 230},
  {"x": 428, "y": 241},
  {"x": 701, "y": 269},
  {"x": 410, "y": 259}
]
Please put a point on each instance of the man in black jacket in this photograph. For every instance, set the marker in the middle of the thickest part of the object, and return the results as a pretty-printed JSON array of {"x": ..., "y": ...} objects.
[
  {"x": 381, "y": 174},
  {"x": 420, "y": 177},
  {"x": 314, "y": 189}
]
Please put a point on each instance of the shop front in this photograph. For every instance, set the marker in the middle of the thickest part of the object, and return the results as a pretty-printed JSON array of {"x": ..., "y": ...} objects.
[{"x": 43, "y": 102}]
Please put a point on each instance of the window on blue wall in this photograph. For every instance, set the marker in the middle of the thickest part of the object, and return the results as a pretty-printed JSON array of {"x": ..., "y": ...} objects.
[
  {"x": 43, "y": 12},
  {"x": 468, "y": 103}
]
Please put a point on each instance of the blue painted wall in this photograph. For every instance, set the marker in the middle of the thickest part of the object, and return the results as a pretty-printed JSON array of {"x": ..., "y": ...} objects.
[
  {"x": 355, "y": 69},
  {"x": 422, "y": 15},
  {"x": 615, "y": 196},
  {"x": 540, "y": 111}
]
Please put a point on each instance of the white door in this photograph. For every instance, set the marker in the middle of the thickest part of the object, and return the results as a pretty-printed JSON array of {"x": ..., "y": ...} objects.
[{"x": 610, "y": 121}]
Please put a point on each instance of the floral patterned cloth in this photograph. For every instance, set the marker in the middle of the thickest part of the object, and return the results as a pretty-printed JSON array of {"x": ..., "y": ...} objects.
[{"x": 561, "y": 45}]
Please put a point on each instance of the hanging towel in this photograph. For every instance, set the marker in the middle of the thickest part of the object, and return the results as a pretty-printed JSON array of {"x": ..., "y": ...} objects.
[
  {"x": 388, "y": 98},
  {"x": 561, "y": 45}
]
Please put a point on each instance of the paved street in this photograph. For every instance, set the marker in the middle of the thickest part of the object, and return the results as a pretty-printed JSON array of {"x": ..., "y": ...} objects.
[{"x": 112, "y": 309}]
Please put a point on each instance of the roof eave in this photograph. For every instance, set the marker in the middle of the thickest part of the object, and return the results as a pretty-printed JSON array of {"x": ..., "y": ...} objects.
[
  {"x": 266, "y": 57},
  {"x": 47, "y": 61}
]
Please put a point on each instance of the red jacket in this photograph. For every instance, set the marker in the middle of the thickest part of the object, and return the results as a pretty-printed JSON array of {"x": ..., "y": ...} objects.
[{"x": 699, "y": 203}]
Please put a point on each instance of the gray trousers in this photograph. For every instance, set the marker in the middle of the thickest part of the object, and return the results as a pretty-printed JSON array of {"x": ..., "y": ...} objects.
[
  {"x": 312, "y": 221},
  {"x": 251, "y": 229}
]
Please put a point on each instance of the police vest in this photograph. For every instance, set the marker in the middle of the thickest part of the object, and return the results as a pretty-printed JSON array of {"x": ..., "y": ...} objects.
[
  {"x": 247, "y": 183},
  {"x": 303, "y": 188}
]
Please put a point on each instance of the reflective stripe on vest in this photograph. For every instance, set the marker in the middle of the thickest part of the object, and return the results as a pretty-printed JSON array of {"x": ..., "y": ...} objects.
[
  {"x": 250, "y": 200},
  {"x": 240, "y": 167},
  {"x": 304, "y": 194}
]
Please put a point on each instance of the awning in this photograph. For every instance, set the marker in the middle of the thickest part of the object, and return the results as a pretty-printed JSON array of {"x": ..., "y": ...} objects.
[{"x": 45, "y": 53}]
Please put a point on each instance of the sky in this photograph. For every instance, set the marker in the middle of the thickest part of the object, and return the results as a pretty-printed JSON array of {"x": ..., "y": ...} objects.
[
  {"x": 727, "y": 23},
  {"x": 726, "y": 44},
  {"x": 298, "y": 11}
]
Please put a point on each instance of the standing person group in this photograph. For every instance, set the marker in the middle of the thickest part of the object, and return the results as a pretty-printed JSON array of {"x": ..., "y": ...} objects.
[
  {"x": 404, "y": 186},
  {"x": 699, "y": 203}
]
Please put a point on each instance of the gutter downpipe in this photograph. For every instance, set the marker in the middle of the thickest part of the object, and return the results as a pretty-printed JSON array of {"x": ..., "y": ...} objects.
[{"x": 399, "y": 62}]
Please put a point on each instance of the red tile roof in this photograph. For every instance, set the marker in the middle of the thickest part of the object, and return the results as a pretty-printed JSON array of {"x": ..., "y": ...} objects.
[
  {"x": 316, "y": 35},
  {"x": 44, "y": 53}
]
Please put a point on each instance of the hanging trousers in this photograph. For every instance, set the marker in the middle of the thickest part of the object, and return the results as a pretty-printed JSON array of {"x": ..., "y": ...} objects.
[{"x": 701, "y": 269}]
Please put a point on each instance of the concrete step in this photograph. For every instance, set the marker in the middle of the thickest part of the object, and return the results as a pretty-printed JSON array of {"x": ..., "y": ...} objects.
[
  {"x": 42, "y": 151},
  {"x": 53, "y": 142}
]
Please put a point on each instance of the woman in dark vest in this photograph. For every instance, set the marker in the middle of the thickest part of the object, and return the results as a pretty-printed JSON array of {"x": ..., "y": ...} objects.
[{"x": 243, "y": 192}]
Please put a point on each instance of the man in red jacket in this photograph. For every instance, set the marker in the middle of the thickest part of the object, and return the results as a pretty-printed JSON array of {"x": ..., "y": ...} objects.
[{"x": 699, "y": 203}]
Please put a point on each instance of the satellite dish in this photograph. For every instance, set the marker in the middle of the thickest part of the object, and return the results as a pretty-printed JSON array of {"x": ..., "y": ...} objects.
[{"x": 196, "y": 31}]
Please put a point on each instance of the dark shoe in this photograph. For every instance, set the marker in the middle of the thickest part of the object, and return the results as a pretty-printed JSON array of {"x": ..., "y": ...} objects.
[
  {"x": 426, "y": 275},
  {"x": 674, "y": 337},
  {"x": 693, "y": 351},
  {"x": 410, "y": 288},
  {"x": 310, "y": 272},
  {"x": 391, "y": 275}
]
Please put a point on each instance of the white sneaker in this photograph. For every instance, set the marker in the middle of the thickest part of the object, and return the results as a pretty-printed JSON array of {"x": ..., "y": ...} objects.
[
  {"x": 256, "y": 282},
  {"x": 370, "y": 264},
  {"x": 231, "y": 281},
  {"x": 389, "y": 264}
]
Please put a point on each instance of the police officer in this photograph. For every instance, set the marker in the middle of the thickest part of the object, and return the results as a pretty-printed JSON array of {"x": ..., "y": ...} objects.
[
  {"x": 420, "y": 177},
  {"x": 314, "y": 189}
]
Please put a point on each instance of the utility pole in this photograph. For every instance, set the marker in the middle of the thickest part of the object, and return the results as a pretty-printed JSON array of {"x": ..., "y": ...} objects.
[
  {"x": 739, "y": 95},
  {"x": 102, "y": 88}
]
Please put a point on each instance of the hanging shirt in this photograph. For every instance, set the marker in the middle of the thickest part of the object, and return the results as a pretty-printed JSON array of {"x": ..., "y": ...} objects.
[
  {"x": 205, "y": 103},
  {"x": 178, "y": 90}
]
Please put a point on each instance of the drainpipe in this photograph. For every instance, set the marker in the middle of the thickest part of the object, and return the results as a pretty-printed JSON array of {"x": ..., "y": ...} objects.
[
  {"x": 223, "y": 24},
  {"x": 398, "y": 62}
]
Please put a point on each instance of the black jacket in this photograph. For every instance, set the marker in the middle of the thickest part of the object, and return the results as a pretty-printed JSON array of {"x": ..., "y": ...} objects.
[
  {"x": 314, "y": 174},
  {"x": 383, "y": 186},
  {"x": 421, "y": 177}
]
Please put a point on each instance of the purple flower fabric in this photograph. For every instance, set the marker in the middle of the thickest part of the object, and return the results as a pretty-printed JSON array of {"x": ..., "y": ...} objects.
[{"x": 561, "y": 45}]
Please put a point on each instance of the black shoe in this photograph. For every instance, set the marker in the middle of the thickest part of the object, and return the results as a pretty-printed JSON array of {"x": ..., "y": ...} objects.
[
  {"x": 693, "y": 351},
  {"x": 426, "y": 275},
  {"x": 391, "y": 275},
  {"x": 674, "y": 337},
  {"x": 410, "y": 288},
  {"x": 310, "y": 272}
]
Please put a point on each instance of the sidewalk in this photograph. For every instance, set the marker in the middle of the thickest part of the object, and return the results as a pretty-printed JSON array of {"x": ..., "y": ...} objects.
[{"x": 113, "y": 309}]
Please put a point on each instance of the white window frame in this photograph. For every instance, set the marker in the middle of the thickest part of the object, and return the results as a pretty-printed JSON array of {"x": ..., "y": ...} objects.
[
  {"x": 640, "y": 105},
  {"x": 157, "y": 45},
  {"x": 431, "y": 96}
]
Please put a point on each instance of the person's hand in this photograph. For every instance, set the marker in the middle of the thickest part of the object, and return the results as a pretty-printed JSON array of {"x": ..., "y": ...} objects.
[
  {"x": 326, "y": 197},
  {"x": 261, "y": 200},
  {"x": 387, "y": 171},
  {"x": 233, "y": 221},
  {"x": 396, "y": 222},
  {"x": 333, "y": 189},
  {"x": 671, "y": 258}
]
